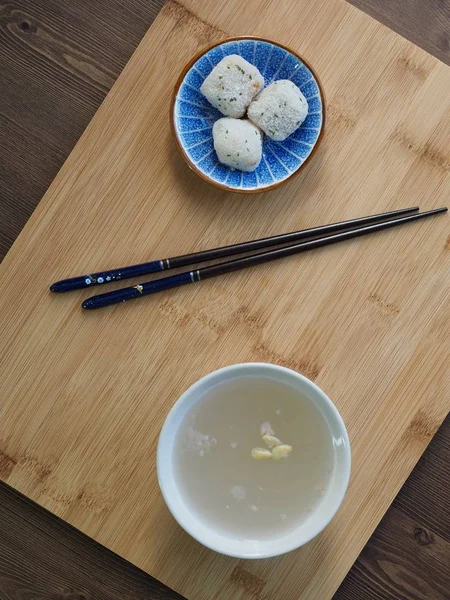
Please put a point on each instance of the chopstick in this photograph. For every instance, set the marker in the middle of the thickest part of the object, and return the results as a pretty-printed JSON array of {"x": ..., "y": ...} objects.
[
  {"x": 166, "y": 283},
  {"x": 156, "y": 266}
]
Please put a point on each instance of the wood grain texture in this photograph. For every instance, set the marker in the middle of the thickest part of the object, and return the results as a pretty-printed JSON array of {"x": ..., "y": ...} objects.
[
  {"x": 44, "y": 557},
  {"x": 426, "y": 23},
  {"x": 404, "y": 558},
  {"x": 425, "y": 497},
  {"x": 416, "y": 436},
  {"x": 407, "y": 558},
  {"x": 58, "y": 61},
  {"x": 60, "y": 58}
]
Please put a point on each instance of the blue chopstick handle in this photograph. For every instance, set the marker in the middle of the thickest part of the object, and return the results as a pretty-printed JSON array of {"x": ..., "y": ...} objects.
[
  {"x": 84, "y": 281},
  {"x": 137, "y": 291}
]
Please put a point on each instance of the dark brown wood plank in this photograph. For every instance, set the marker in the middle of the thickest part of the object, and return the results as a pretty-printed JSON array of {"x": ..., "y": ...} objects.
[
  {"x": 58, "y": 59},
  {"x": 408, "y": 556},
  {"x": 43, "y": 557},
  {"x": 426, "y": 23}
]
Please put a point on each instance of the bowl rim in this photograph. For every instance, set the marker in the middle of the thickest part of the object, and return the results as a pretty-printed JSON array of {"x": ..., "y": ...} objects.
[
  {"x": 182, "y": 151},
  {"x": 166, "y": 478}
]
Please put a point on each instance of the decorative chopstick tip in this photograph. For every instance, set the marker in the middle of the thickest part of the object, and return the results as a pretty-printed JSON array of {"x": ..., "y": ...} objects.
[{"x": 88, "y": 304}]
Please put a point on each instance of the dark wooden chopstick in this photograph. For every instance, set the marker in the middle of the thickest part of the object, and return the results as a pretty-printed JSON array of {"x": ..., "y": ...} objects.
[
  {"x": 156, "y": 266},
  {"x": 165, "y": 283}
]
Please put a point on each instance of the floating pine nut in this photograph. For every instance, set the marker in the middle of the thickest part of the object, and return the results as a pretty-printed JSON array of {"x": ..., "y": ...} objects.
[
  {"x": 281, "y": 451},
  {"x": 271, "y": 440},
  {"x": 261, "y": 453}
]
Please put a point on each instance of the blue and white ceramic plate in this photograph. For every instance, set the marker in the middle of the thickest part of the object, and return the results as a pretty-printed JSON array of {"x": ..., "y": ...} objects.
[{"x": 192, "y": 117}]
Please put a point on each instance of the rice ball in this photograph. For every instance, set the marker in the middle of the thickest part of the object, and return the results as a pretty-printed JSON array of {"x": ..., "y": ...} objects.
[
  {"x": 232, "y": 85},
  {"x": 279, "y": 110},
  {"x": 238, "y": 143}
]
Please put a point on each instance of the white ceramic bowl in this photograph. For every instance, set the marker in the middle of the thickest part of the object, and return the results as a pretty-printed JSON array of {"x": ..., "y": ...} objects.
[{"x": 193, "y": 523}]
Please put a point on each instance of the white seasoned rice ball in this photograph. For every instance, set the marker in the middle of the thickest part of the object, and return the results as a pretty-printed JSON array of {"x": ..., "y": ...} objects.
[
  {"x": 279, "y": 109},
  {"x": 238, "y": 143},
  {"x": 232, "y": 85}
]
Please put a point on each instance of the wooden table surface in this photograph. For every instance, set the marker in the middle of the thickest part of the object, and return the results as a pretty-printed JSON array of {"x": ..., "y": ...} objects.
[{"x": 58, "y": 59}]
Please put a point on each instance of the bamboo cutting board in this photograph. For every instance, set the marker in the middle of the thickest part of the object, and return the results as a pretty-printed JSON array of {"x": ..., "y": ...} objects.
[{"x": 84, "y": 394}]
